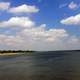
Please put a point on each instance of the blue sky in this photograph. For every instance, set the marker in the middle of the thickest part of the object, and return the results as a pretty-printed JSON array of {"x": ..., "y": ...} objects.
[{"x": 50, "y": 14}]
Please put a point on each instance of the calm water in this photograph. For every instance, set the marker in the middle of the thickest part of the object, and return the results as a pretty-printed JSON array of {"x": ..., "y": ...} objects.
[{"x": 41, "y": 66}]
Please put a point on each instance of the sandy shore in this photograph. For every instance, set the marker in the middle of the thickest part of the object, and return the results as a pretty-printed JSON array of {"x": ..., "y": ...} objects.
[{"x": 6, "y": 54}]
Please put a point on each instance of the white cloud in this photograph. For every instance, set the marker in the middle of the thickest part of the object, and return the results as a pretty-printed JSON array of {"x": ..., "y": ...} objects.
[
  {"x": 24, "y": 9},
  {"x": 73, "y": 5},
  {"x": 73, "y": 20},
  {"x": 45, "y": 41},
  {"x": 11, "y": 41},
  {"x": 36, "y": 37},
  {"x": 4, "y": 5},
  {"x": 17, "y": 22},
  {"x": 42, "y": 34}
]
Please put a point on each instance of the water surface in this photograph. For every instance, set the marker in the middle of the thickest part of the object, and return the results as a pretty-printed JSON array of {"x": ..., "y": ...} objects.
[{"x": 41, "y": 66}]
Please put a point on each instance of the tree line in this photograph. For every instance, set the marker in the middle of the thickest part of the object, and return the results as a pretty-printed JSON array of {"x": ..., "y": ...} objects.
[{"x": 15, "y": 51}]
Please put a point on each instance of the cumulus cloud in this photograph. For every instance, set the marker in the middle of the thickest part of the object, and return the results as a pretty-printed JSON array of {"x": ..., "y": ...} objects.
[
  {"x": 41, "y": 34},
  {"x": 27, "y": 40},
  {"x": 32, "y": 37},
  {"x": 17, "y": 22},
  {"x": 24, "y": 9},
  {"x": 35, "y": 39},
  {"x": 73, "y": 20},
  {"x": 73, "y": 5},
  {"x": 4, "y": 5}
]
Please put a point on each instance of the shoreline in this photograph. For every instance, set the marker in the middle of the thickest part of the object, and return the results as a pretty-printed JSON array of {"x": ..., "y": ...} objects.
[{"x": 9, "y": 54}]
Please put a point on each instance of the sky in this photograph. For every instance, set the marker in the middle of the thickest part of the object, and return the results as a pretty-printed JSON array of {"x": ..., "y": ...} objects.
[{"x": 39, "y": 25}]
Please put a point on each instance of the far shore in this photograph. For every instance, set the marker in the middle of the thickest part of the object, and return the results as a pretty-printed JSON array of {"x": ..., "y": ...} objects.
[{"x": 20, "y": 52}]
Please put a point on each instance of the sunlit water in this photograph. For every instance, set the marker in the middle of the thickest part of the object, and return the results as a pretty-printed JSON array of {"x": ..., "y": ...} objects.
[{"x": 41, "y": 66}]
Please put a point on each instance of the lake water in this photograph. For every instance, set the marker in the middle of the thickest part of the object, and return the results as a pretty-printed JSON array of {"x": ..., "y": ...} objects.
[{"x": 41, "y": 66}]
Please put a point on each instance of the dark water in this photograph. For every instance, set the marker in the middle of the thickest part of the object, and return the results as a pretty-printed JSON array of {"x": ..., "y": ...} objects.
[{"x": 41, "y": 66}]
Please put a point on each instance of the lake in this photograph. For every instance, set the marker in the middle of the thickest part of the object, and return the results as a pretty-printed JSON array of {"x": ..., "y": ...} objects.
[{"x": 58, "y": 65}]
